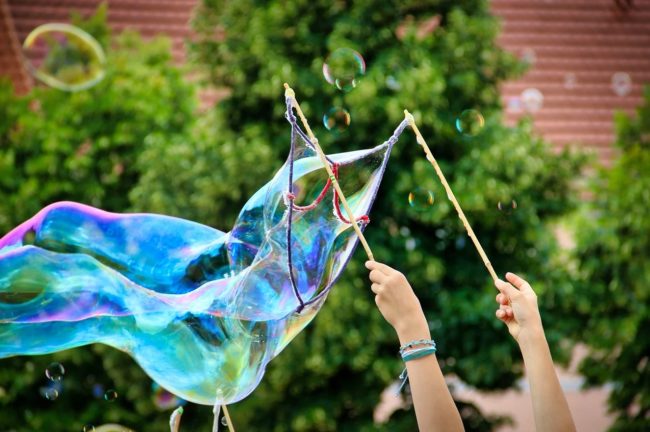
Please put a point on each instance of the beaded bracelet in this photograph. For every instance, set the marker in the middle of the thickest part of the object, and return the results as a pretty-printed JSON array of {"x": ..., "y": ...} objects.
[{"x": 414, "y": 343}]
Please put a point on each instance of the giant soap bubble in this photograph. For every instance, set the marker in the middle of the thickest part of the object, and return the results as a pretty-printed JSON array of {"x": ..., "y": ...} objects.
[{"x": 202, "y": 311}]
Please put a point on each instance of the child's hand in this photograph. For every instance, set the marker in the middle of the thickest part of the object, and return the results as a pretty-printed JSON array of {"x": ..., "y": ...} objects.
[
  {"x": 395, "y": 298},
  {"x": 518, "y": 307}
]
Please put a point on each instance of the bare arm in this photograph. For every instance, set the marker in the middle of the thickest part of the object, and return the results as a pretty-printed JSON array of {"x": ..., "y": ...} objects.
[
  {"x": 434, "y": 407},
  {"x": 518, "y": 310}
]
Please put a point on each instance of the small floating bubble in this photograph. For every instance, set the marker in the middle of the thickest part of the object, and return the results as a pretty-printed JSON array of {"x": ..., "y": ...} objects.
[
  {"x": 532, "y": 100},
  {"x": 507, "y": 207},
  {"x": 110, "y": 395},
  {"x": 421, "y": 199},
  {"x": 470, "y": 122},
  {"x": 343, "y": 68},
  {"x": 621, "y": 83},
  {"x": 50, "y": 393},
  {"x": 337, "y": 119},
  {"x": 55, "y": 372}
]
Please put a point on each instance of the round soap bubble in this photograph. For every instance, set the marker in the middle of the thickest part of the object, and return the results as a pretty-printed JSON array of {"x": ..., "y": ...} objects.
[
  {"x": 336, "y": 119},
  {"x": 621, "y": 83},
  {"x": 224, "y": 421},
  {"x": 470, "y": 122},
  {"x": 88, "y": 428},
  {"x": 532, "y": 100},
  {"x": 55, "y": 372},
  {"x": 110, "y": 395},
  {"x": 570, "y": 81},
  {"x": 528, "y": 56},
  {"x": 507, "y": 207},
  {"x": 50, "y": 393},
  {"x": 64, "y": 57},
  {"x": 343, "y": 68},
  {"x": 421, "y": 199}
]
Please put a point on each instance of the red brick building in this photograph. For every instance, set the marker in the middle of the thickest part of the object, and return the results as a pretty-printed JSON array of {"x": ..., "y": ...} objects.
[{"x": 575, "y": 48}]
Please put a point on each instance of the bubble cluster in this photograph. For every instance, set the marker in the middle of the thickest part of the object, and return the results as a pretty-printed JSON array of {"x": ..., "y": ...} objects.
[
  {"x": 336, "y": 119},
  {"x": 470, "y": 122},
  {"x": 64, "y": 57},
  {"x": 110, "y": 395},
  {"x": 507, "y": 207},
  {"x": 343, "y": 68},
  {"x": 55, "y": 372},
  {"x": 532, "y": 100},
  {"x": 621, "y": 83},
  {"x": 421, "y": 199}
]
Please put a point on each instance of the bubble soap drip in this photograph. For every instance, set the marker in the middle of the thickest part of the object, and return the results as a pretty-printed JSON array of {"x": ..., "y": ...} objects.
[{"x": 199, "y": 309}]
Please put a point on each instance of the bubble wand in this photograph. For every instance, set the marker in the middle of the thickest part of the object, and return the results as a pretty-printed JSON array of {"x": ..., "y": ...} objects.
[
  {"x": 314, "y": 141},
  {"x": 450, "y": 193}
]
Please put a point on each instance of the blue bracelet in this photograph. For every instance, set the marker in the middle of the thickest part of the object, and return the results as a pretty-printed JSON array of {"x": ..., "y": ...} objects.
[{"x": 418, "y": 353}]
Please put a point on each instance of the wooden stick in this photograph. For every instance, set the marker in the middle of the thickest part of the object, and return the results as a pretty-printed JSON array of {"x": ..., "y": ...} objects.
[
  {"x": 226, "y": 414},
  {"x": 450, "y": 194},
  {"x": 353, "y": 220}
]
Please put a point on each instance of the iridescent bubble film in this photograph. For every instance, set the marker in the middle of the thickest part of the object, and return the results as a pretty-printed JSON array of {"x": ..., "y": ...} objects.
[
  {"x": 64, "y": 57},
  {"x": 343, "y": 68},
  {"x": 507, "y": 206},
  {"x": 110, "y": 395},
  {"x": 336, "y": 119},
  {"x": 420, "y": 199},
  {"x": 202, "y": 311},
  {"x": 621, "y": 83},
  {"x": 470, "y": 122},
  {"x": 532, "y": 100},
  {"x": 55, "y": 372}
]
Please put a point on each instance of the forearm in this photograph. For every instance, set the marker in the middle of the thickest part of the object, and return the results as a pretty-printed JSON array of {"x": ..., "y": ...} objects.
[
  {"x": 434, "y": 407},
  {"x": 550, "y": 407}
]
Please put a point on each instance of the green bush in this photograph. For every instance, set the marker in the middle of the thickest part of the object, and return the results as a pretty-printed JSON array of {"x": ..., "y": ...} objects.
[
  {"x": 85, "y": 147},
  {"x": 612, "y": 302},
  {"x": 331, "y": 376}
]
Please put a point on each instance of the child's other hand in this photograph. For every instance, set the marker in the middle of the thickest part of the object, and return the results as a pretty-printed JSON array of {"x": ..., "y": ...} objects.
[
  {"x": 395, "y": 297},
  {"x": 518, "y": 307}
]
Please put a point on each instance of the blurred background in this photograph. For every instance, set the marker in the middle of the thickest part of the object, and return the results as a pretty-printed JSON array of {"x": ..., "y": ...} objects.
[{"x": 535, "y": 109}]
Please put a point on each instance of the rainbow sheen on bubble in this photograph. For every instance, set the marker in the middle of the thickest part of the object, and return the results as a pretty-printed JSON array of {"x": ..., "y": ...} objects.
[
  {"x": 64, "y": 57},
  {"x": 343, "y": 68},
  {"x": 421, "y": 199},
  {"x": 202, "y": 311},
  {"x": 337, "y": 119},
  {"x": 470, "y": 122},
  {"x": 164, "y": 400},
  {"x": 532, "y": 100},
  {"x": 110, "y": 395},
  {"x": 507, "y": 207},
  {"x": 55, "y": 372},
  {"x": 621, "y": 83}
]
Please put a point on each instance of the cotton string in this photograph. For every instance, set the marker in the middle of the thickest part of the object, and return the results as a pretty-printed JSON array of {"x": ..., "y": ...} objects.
[{"x": 289, "y": 93}]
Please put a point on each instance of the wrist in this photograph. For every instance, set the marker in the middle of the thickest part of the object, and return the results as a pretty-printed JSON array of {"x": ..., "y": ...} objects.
[
  {"x": 531, "y": 336},
  {"x": 412, "y": 328}
]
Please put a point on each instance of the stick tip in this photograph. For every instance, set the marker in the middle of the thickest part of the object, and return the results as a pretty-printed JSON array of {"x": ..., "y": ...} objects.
[
  {"x": 288, "y": 91},
  {"x": 409, "y": 117}
]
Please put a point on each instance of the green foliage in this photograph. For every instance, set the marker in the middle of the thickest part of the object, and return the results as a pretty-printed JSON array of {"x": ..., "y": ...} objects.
[
  {"x": 331, "y": 376},
  {"x": 612, "y": 303},
  {"x": 85, "y": 147}
]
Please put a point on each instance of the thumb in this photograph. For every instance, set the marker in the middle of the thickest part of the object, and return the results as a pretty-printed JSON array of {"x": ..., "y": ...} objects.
[{"x": 506, "y": 288}]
